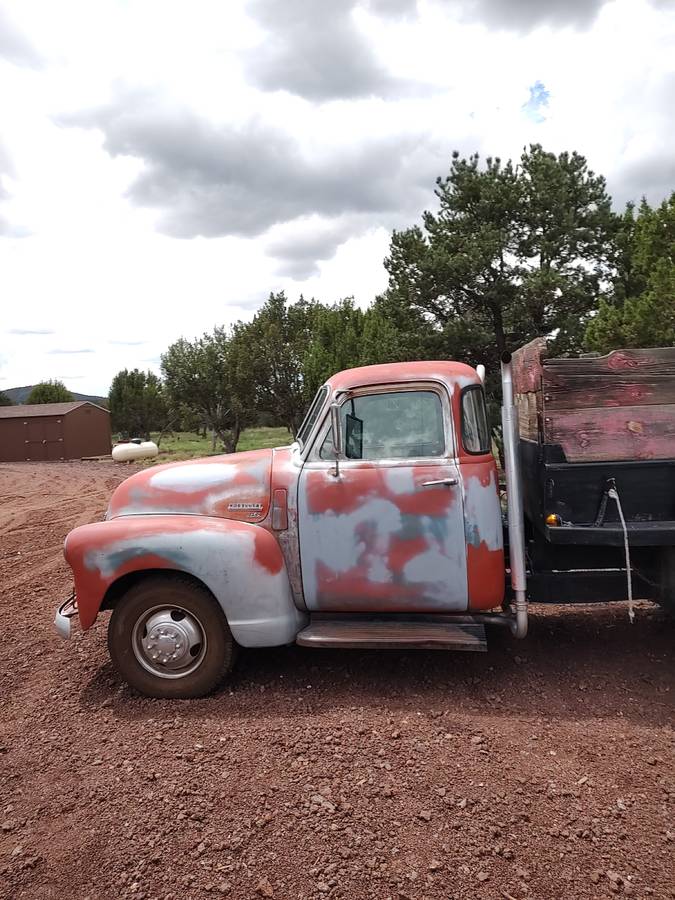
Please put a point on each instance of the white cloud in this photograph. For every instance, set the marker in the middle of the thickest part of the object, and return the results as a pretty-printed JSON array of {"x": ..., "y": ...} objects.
[
  {"x": 296, "y": 188},
  {"x": 15, "y": 47}
]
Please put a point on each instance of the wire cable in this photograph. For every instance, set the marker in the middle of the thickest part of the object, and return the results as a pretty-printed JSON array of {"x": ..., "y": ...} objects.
[{"x": 614, "y": 494}]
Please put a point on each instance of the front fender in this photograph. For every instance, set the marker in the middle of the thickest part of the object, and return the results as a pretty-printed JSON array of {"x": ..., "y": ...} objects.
[{"x": 240, "y": 563}]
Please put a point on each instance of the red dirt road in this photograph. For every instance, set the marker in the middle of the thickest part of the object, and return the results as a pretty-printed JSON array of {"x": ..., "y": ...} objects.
[{"x": 542, "y": 769}]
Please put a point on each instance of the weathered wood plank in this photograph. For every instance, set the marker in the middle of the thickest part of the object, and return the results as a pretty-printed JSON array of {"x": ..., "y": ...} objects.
[
  {"x": 587, "y": 391},
  {"x": 631, "y": 432},
  {"x": 650, "y": 361},
  {"x": 528, "y": 419},
  {"x": 526, "y": 366}
]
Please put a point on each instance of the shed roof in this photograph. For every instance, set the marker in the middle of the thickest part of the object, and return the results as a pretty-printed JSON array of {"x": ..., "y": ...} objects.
[{"x": 44, "y": 409}]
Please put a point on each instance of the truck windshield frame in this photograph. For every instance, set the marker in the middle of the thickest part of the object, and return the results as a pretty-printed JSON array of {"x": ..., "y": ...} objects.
[
  {"x": 350, "y": 415},
  {"x": 312, "y": 416},
  {"x": 314, "y": 455}
]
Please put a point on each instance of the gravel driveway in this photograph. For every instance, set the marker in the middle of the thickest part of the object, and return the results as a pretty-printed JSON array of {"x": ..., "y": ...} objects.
[{"x": 542, "y": 769}]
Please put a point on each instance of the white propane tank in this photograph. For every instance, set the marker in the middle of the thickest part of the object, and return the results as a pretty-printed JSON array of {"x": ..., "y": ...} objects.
[{"x": 130, "y": 451}]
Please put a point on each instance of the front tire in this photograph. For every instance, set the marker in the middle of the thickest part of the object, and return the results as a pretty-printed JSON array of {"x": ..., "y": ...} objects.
[{"x": 169, "y": 638}]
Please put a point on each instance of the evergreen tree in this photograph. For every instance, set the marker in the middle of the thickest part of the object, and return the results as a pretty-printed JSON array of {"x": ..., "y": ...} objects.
[
  {"x": 335, "y": 343},
  {"x": 641, "y": 311},
  {"x": 346, "y": 336},
  {"x": 137, "y": 403},
  {"x": 211, "y": 378},
  {"x": 513, "y": 252},
  {"x": 52, "y": 391},
  {"x": 271, "y": 349},
  {"x": 380, "y": 339}
]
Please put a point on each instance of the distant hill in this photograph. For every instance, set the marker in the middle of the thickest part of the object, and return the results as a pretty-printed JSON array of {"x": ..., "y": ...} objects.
[{"x": 21, "y": 394}]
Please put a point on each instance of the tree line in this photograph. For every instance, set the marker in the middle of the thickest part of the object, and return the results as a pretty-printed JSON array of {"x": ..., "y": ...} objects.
[
  {"x": 260, "y": 372},
  {"x": 51, "y": 391},
  {"x": 513, "y": 251}
]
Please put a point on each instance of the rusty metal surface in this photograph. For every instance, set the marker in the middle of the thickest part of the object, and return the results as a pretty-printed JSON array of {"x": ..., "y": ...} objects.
[
  {"x": 376, "y": 539},
  {"x": 286, "y": 468},
  {"x": 240, "y": 563},
  {"x": 444, "y": 371},
  {"x": 230, "y": 486},
  {"x": 381, "y": 539},
  {"x": 393, "y": 633}
]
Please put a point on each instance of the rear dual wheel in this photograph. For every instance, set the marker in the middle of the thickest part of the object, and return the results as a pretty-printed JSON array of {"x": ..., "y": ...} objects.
[
  {"x": 169, "y": 638},
  {"x": 666, "y": 594}
]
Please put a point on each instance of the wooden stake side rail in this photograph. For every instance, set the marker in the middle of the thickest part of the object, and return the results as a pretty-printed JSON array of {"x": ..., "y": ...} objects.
[
  {"x": 615, "y": 407},
  {"x": 649, "y": 361},
  {"x": 586, "y": 392},
  {"x": 597, "y": 434},
  {"x": 527, "y": 373}
]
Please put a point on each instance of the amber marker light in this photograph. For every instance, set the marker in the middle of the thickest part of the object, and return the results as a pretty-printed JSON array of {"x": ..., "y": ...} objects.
[{"x": 553, "y": 520}]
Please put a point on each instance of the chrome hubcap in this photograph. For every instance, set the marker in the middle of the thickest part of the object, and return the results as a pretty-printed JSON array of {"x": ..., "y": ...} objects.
[{"x": 169, "y": 642}]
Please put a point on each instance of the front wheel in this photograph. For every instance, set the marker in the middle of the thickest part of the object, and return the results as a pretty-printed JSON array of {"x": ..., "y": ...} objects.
[{"x": 168, "y": 637}]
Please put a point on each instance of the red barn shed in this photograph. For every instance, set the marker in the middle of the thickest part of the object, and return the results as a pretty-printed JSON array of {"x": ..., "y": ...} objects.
[{"x": 42, "y": 431}]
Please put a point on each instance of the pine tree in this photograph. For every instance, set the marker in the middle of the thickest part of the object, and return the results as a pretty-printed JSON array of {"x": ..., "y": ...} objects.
[
  {"x": 514, "y": 251},
  {"x": 641, "y": 312}
]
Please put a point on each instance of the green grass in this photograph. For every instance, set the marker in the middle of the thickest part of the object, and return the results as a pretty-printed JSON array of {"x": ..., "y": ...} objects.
[{"x": 186, "y": 445}]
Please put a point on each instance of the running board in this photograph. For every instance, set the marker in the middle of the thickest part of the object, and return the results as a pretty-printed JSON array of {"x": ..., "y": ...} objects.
[{"x": 393, "y": 634}]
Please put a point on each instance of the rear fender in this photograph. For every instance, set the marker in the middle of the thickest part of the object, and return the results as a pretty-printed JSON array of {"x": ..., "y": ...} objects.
[{"x": 240, "y": 563}]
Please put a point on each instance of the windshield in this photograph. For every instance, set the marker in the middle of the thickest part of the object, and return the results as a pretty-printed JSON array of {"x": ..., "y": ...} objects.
[{"x": 312, "y": 415}]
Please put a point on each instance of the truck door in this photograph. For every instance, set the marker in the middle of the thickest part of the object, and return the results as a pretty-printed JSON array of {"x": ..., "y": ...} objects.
[{"x": 387, "y": 533}]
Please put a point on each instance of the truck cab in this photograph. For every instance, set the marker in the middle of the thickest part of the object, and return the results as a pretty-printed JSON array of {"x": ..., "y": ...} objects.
[
  {"x": 380, "y": 526},
  {"x": 408, "y": 518}
]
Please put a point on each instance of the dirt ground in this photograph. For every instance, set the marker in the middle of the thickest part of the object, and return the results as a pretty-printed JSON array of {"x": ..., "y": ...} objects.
[{"x": 542, "y": 769}]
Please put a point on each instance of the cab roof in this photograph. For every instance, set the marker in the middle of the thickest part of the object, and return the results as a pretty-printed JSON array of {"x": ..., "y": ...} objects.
[{"x": 450, "y": 373}]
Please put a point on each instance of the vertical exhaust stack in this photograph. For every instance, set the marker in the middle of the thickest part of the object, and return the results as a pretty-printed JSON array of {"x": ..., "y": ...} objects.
[{"x": 514, "y": 493}]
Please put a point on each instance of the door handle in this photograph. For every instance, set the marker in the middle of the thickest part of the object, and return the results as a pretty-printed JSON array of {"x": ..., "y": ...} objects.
[{"x": 447, "y": 482}]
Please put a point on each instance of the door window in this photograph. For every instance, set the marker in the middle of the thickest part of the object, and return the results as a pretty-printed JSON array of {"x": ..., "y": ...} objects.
[{"x": 396, "y": 425}]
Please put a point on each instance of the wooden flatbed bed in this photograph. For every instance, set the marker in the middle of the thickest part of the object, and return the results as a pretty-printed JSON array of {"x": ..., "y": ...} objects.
[{"x": 587, "y": 426}]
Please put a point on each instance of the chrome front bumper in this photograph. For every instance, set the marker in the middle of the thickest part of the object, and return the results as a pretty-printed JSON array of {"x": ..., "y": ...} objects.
[{"x": 64, "y": 614}]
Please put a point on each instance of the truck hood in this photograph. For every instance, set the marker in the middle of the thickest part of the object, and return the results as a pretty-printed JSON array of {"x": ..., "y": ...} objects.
[{"x": 232, "y": 486}]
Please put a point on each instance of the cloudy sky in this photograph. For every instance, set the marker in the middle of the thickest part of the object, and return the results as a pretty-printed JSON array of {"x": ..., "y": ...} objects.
[{"x": 165, "y": 165}]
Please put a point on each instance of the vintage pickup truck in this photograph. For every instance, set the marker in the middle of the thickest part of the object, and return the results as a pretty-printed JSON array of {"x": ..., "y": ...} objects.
[{"x": 380, "y": 526}]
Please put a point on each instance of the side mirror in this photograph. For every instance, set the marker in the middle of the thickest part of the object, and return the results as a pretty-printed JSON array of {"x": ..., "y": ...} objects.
[{"x": 336, "y": 431}]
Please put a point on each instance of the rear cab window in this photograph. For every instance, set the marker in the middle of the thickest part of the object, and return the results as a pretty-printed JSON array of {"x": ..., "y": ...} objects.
[{"x": 475, "y": 431}]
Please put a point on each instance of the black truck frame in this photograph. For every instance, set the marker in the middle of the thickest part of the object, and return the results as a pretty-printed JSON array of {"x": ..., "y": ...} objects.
[{"x": 595, "y": 430}]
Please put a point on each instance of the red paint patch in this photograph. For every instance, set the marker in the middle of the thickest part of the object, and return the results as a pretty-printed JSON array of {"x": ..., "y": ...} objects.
[
  {"x": 425, "y": 501},
  {"x": 402, "y": 551},
  {"x": 267, "y": 553},
  {"x": 353, "y": 589},
  {"x": 485, "y": 471},
  {"x": 328, "y": 494},
  {"x": 485, "y": 576},
  {"x": 419, "y": 370},
  {"x": 91, "y": 585},
  {"x": 356, "y": 486},
  {"x": 249, "y": 485}
]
